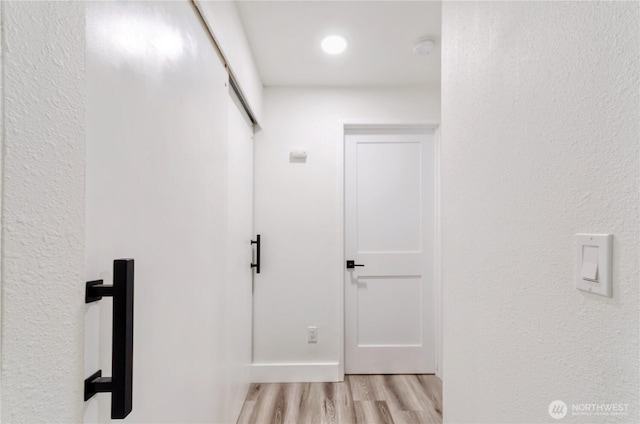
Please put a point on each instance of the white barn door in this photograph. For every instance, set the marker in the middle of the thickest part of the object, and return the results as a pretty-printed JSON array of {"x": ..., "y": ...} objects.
[
  {"x": 169, "y": 182},
  {"x": 239, "y": 234},
  {"x": 389, "y": 234}
]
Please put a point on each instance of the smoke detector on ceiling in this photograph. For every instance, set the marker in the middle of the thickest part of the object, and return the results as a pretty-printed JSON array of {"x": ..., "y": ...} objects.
[{"x": 424, "y": 46}]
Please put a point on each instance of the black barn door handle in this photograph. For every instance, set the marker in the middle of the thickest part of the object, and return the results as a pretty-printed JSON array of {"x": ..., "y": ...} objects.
[
  {"x": 120, "y": 384},
  {"x": 257, "y": 264}
]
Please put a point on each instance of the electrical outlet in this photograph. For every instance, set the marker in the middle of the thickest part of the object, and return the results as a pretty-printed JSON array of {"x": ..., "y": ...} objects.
[{"x": 312, "y": 334}]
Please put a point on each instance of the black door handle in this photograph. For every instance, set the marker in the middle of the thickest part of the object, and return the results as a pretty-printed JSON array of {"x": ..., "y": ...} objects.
[
  {"x": 120, "y": 384},
  {"x": 257, "y": 264},
  {"x": 352, "y": 264}
]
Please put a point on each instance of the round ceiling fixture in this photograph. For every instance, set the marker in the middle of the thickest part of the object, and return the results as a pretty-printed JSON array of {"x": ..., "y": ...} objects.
[
  {"x": 424, "y": 46},
  {"x": 334, "y": 44}
]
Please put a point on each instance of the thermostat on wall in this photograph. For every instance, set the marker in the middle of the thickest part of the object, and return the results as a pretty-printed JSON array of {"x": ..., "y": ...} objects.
[{"x": 299, "y": 154}]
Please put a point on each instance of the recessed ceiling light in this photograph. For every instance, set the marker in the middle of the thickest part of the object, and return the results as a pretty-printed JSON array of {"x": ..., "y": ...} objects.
[
  {"x": 334, "y": 44},
  {"x": 424, "y": 46}
]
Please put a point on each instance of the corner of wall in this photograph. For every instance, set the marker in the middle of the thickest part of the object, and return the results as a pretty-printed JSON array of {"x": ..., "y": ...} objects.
[
  {"x": 43, "y": 201},
  {"x": 1, "y": 184}
]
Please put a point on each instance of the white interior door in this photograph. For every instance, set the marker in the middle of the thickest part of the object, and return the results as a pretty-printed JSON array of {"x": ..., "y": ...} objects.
[{"x": 389, "y": 229}]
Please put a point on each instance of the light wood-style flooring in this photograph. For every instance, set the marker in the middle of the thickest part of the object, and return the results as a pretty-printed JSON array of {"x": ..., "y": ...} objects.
[{"x": 360, "y": 399}]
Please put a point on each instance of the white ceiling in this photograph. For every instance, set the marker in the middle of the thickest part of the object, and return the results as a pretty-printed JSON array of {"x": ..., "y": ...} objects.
[{"x": 285, "y": 40}]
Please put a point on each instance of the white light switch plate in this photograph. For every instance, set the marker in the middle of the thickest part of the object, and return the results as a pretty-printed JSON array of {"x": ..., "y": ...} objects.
[{"x": 593, "y": 256}]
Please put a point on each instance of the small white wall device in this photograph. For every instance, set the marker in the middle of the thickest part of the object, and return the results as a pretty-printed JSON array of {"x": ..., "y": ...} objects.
[
  {"x": 593, "y": 260},
  {"x": 300, "y": 154}
]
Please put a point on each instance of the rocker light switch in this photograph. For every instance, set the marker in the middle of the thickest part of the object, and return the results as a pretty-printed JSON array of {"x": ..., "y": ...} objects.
[
  {"x": 590, "y": 271},
  {"x": 593, "y": 257}
]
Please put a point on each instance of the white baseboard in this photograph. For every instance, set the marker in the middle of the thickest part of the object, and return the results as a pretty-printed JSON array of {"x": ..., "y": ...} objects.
[{"x": 311, "y": 372}]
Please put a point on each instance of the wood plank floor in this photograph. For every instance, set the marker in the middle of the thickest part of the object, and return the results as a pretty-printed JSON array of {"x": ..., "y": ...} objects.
[{"x": 360, "y": 399}]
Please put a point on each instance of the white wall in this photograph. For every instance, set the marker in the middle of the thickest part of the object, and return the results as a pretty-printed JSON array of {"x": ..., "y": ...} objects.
[
  {"x": 539, "y": 142},
  {"x": 224, "y": 21},
  {"x": 1, "y": 173},
  {"x": 158, "y": 190},
  {"x": 298, "y": 214},
  {"x": 43, "y": 204}
]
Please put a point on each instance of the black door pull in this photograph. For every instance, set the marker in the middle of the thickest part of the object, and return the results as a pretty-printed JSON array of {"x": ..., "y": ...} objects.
[
  {"x": 120, "y": 384},
  {"x": 352, "y": 264},
  {"x": 257, "y": 264}
]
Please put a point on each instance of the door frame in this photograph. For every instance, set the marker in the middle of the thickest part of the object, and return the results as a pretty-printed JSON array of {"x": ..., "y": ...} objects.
[{"x": 377, "y": 124}]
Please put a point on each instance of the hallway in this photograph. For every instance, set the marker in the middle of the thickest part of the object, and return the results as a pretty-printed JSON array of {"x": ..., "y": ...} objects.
[
  {"x": 399, "y": 399},
  {"x": 373, "y": 196}
]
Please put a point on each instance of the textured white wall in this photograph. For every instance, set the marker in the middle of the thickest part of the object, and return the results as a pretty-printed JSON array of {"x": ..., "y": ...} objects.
[
  {"x": 539, "y": 142},
  {"x": 1, "y": 173},
  {"x": 43, "y": 211},
  {"x": 297, "y": 212}
]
